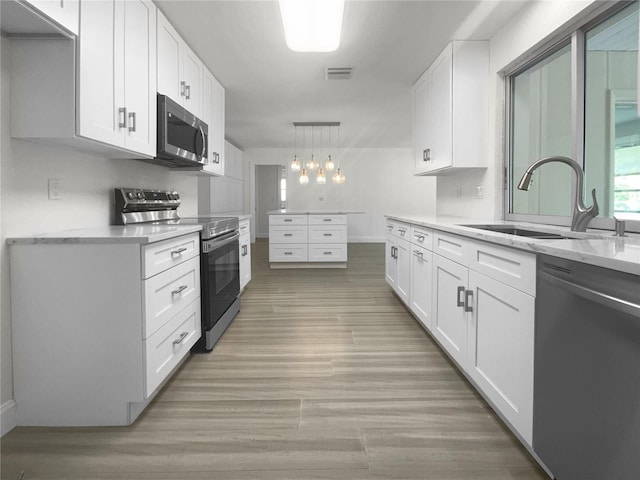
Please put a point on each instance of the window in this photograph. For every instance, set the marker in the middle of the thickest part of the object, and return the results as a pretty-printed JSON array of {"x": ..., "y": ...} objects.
[
  {"x": 283, "y": 187},
  {"x": 597, "y": 66}
]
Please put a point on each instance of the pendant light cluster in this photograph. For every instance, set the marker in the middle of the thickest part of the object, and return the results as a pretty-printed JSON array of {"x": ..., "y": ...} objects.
[{"x": 312, "y": 165}]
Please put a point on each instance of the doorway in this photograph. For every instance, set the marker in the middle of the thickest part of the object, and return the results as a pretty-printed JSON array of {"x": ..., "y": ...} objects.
[{"x": 267, "y": 196}]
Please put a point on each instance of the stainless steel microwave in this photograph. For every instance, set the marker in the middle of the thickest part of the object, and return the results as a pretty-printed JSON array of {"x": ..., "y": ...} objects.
[{"x": 182, "y": 137}]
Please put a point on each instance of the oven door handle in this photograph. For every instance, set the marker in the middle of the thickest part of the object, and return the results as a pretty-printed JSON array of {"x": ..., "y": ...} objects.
[{"x": 210, "y": 245}]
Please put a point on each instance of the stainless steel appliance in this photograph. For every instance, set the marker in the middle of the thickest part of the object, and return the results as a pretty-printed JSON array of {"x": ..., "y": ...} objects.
[
  {"x": 586, "y": 410},
  {"x": 182, "y": 137},
  {"x": 219, "y": 257}
]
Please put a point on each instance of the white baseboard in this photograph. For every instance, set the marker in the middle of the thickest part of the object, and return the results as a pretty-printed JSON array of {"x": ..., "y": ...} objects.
[
  {"x": 8, "y": 417},
  {"x": 366, "y": 239}
]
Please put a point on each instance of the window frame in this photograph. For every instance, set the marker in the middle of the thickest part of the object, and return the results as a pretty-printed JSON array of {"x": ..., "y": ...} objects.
[{"x": 576, "y": 37}]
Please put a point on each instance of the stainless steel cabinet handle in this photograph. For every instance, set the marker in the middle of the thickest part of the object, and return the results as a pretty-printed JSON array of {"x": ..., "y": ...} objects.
[
  {"x": 468, "y": 304},
  {"x": 288, "y": 220},
  {"x": 288, "y": 253},
  {"x": 426, "y": 155},
  {"x": 122, "y": 112},
  {"x": 183, "y": 87},
  {"x": 216, "y": 157},
  {"x": 288, "y": 234},
  {"x": 329, "y": 220},
  {"x": 180, "y": 289},
  {"x": 328, "y": 253},
  {"x": 460, "y": 302},
  {"x": 181, "y": 338},
  {"x": 244, "y": 250},
  {"x": 188, "y": 92},
  {"x": 420, "y": 238},
  {"x": 328, "y": 234},
  {"x": 418, "y": 254},
  {"x": 179, "y": 251},
  {"x": 132, "y": 123},
  {"x": 402, "y": 231},
  {"x": 389, "y": 227}
]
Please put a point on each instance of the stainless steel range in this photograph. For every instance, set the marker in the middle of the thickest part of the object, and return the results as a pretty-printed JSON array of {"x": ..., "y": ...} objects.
[{"x": 219, "y": 258}]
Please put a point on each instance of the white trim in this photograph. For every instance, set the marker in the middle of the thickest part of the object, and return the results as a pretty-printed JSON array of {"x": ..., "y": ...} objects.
[
  {"x": 8, "y": 417},
  {"x": 367, "y": 239}
]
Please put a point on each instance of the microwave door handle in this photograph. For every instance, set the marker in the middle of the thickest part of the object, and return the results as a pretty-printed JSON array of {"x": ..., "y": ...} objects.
[{"x": 203, "y": 152}]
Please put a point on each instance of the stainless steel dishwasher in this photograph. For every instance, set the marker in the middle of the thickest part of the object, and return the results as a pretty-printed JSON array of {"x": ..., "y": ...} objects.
[{"x": 586, "y": 409}]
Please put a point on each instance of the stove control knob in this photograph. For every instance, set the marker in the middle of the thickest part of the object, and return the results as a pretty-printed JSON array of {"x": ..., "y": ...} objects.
[
  {"x": 176, "y": 196},
  {"x": 130, "y": 195},
  {"x": 139, "y": 195}
]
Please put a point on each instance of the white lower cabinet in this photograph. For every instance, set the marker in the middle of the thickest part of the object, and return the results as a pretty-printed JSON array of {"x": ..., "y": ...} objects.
[
  {"x": 245, "y": 253},
  {"x": 450, "y": 323},
  {"x": 478, "y": 301},
  {"x": 98, "y": 327},
  {"x": 500, "y": 349}
]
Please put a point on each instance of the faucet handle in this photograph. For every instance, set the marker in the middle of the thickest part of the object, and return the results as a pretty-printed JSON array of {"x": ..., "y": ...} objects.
[{"x": 593, "y": 209}]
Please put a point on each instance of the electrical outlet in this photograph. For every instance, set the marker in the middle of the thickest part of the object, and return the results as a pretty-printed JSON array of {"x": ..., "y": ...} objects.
[
  {"x": 55, "y": 189},
  {"x": 479, "y": 191}
]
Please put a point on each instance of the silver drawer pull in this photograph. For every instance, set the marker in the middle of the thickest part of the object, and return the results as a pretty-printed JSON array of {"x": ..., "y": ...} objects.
[
  {"x": 402, "y": 231},
  {"x": 328, "y": 234},
  {"x": 180, "y": 289},
  {"x": 288, "y": 234},
  {"x": 420, "y": 238},
  {"x": 326, "y": 219},
  {"x": 328, "y": 253},
  {"x": 288, "y": 220},
  {"x": 179, "y": 251},
  {"x": 389, "y": 227},
  {"x": 180, "y": 339},
  {"x": 418, "y": 254}
]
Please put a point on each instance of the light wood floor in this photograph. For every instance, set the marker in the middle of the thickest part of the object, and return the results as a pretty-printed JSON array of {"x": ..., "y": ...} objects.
[{"x": 323, "y": 375}]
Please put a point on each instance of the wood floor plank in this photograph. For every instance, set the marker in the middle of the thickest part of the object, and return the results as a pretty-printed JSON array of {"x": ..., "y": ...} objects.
[{"x": 324, "y": 374}]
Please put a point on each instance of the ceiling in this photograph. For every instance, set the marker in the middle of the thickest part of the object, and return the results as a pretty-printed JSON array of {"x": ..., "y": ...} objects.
[{"x": 268, "y": 87}]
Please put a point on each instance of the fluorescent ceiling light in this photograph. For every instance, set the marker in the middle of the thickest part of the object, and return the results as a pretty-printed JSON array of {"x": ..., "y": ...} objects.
[{"x": 312, "y": 25}]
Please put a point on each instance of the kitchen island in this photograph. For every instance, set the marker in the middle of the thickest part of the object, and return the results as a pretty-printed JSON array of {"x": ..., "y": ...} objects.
[{"x": 308, "y": 239}]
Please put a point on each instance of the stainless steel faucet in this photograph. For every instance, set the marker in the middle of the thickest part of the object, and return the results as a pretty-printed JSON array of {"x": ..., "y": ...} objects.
[{"x": 580, "y": 215}]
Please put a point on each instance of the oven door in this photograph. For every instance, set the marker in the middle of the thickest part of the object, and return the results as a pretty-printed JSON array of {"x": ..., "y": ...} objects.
[{"x": 220, "y": 277}]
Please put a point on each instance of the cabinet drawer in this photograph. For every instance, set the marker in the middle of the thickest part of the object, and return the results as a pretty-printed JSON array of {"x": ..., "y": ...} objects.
[
  {"x": 423, "y": 237},
  {"x": 293, "y": 234},
  {"x": 327, "y": 234},
  {"x": 328, "y": 252},
  {"x": 327, "y": 219},
  {"x": 452, "y": 247},
  {"x": 288, "y": 253},
  {"x": 244, "y": 226},
  {"x": 160, "y": 256},
  {"x": 402, "y": 230},
  {"x": 512, "y": 267},
  {"x": 287, "y": 219},
  {"x": 170, "y": 344},
  {"x": 168, "y": 293}
]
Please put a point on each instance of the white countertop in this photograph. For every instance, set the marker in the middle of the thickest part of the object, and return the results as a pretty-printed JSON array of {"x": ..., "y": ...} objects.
[
  {"x": 110, "y": 234},
  {"x": 595, "y": 247},
  {"x": 313, "y": 212}
]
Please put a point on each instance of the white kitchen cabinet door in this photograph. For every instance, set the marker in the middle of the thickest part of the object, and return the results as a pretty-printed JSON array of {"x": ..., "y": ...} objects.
[
  {"x": 420, "y": 124},
  {"x": 500, "y": 349},
  {"x": 168, "y": 67},
  {"x": 116, "y": 82},
  {"x": 421, "y": 279},
  {"x": 403, "y": 260},
  {"x": 63, "y": 12},
  {"x": 390, "y": 262},
  {"x": 179, "y": 70},
  {"x": 245, "y": 253},
  {"x": 212, "y": 113},
  {"x": 440, "y": 115},
  {"x": 101, "y": 73},
  {"x": 449, "y": 322},
  {"x": 140, "y": 76}
]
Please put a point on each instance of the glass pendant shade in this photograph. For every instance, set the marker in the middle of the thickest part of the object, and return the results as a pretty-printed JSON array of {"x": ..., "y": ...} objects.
[
  {"x": 313, "y": 163},
  {"x": 338, "y": 177},
  {"x": 329, "y": 165},
  {"x": 304, "y": 178},
  {"x": 322, "y": 178},
  {"x": 295, "y": 164}
]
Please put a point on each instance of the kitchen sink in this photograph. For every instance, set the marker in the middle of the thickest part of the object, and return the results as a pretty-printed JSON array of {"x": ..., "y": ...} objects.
[{"x": 521, "y": 232}]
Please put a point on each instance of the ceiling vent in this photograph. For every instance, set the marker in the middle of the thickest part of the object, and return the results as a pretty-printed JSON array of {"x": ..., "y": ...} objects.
[{"x": 338, "y": 73}]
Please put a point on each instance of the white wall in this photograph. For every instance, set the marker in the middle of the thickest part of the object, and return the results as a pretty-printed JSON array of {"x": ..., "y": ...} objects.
[
  {"x": 87, "y": 195},
  {"x": 379, "y": 181},
  {"x": 534, "y": 25}
]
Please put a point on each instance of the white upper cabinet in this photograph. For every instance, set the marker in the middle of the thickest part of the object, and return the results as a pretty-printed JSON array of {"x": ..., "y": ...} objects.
[
  {"x": 180, "y": 71},
  {"x": 213, "y": 116},
  {"x": 450, "y": 110},
  {"x": 96, "y": 91},
  {"x": 117, "y": 74},
  {"x": 63, "y": 12}
]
